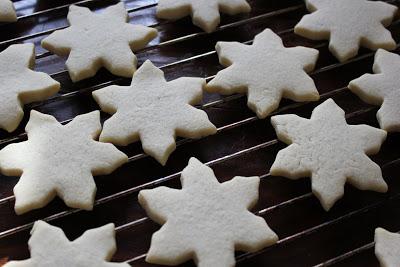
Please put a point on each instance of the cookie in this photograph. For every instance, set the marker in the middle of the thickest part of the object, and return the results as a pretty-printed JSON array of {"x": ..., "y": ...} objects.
[
  {"x": 348, "y": 24},
  {"x": 7, "y": 11},
  {"x": 50, "y": 247},
  {"x": 205, "y": 220},
  {"x": 329, "y": 150},
  {"x": 154, "y": 111},
  {"x": 266, "y": 71},
  {"x": 99, "y": 40},
  {"x": 387, "y": 248},
  {"x": 382, "y": 88},
  {"x": 205, "y": 13},
  {"x": 59, "y": 160},
  {"x": 19, "y": 84}
]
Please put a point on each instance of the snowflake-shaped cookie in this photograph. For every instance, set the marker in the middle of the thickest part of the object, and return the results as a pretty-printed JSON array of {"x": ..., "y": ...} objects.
[
  {"x": 50, "y": 247},
  {"x": 99, "y": 40},
  {"x": 382, "y": 88},
  {"x": 205, "y": 13},
  {"x": 348, "y": 24},
  {"x": 266, "y": 71},
  {"x": 7, "y": 11},
  {"x": 329, "y": 150},
  {"x": 387, "y": 248},
  {"x": 154, "y": 111},
  {"x": 205, "y": 221},
  {"x": 59, "y": 160},
  {"x": 19, "y": 84}
]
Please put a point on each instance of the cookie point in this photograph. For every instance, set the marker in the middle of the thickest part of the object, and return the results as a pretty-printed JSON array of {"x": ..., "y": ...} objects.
[
  {"x": 94, "y": 113},
  {"x": 27, "y": 45},
  {"x": 382, "y": 187},
  {"x": 380, "y": 230},
  {"x": 110, "y": 227},
  {"x": 194, "y": 160},
  {"x": 329, "y": 101},
  {"x": 148, "y": 62},
  {"x": 142, "y": 197},
  {"x": 152, "y": 33},
  {"x": 39, "y": 223},
  {"x": 382, "y": 51},
  {"x": 34, "y": 113},
  {"x": 73, "y": 8}
]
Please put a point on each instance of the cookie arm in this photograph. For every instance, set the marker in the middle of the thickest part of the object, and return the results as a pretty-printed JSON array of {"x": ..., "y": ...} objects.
[
  {"x": 229, "y": 52},
  {"x": 86, "y": 124},
  {"x": 365, "y": 174},
  {"x": 255, "y": 236},
  {"x": 243, "y": 190},
  {"x": 313, "y": 26},
  {"x": 289, "y": 127},
  {"x": 139, "y": 36},
  {"x": 307, "y": 57},
  {"x": 289, "y": 163},
  {"x": 233, "y": 7},
  {"x": 117, "y": 12},
  {"x": 100, "y": 242},
  {"x": 173, "y": 9},
  {"x": 159, "y": 202},
  {"x": 36, "y": 86},
  {"x": 7, "y": 11},
  {"x": 206, "y": 17},
  {"x": 194, "y": 123},
  {"x": 59, "y": 42},
  {"x": 369, "y": 88},
  {"x": 105, "y": 158},
  {"x": 370, "y": 139},
  {"x": 188, "y": 90}
]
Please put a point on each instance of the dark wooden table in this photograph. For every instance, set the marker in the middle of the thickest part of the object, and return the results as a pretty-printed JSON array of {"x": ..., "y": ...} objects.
[{"x": 244, "y": 145}]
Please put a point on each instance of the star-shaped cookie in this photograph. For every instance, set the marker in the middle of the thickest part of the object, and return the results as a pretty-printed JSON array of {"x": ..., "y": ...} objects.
[
  {"x": 59, "y": 160},
  {"x": 387, "y": 248},
  {"x": 154, "y": 111},
  {"x": 19, "y": 84},
  {"x": 382, "y": 88},
  {"x": 329, "y": 150},
  {"x": 348, "y": 24},
  {"x": 99, "y": 40},
  {"x": 7, "y": 11},
  {"x": 205, "y": 221},
  {"x": 266, "y": 71},
  {"x": 50, "y": 247},
  {"x": 205, "y": 13}
]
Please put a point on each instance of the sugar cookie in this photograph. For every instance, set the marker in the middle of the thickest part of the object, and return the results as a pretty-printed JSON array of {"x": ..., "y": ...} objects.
[
  {"x": 382, "y": 88},
  {"x": 154, "y": 111},
  {"x": 19, "y": 84},
  {"x": 99, "y": 40},
  {"x": 50, "y": 247},
  {"x": 59, "y": 160},
  {"x": 387, "y": 248},
  {"x": 348, "y": 24},
  {"x": 7, "y": 11},
  {"x": 205, "y": 221},
  {"x": 205, "y": 13},
  {"x": 329, "y": 150},
  {"x": 266, "y": 71}
]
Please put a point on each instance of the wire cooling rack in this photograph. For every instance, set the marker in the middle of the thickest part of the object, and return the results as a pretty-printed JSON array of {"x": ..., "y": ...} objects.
[{"x": 244, "y": 145}]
